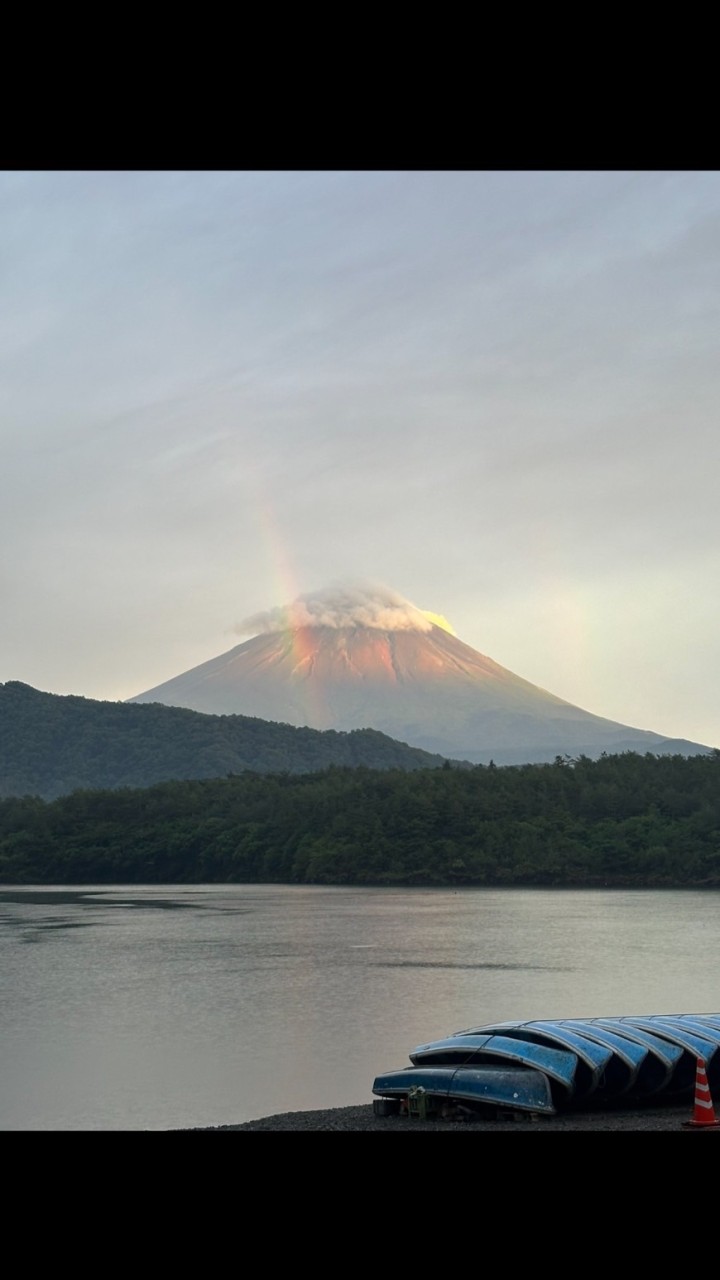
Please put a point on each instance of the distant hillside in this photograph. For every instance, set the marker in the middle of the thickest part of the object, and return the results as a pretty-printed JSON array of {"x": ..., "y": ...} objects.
[{"x": 51, "y": 745}]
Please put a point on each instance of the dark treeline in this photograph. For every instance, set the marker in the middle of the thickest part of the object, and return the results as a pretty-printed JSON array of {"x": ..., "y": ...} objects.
[{"x": 626, "y": 820}]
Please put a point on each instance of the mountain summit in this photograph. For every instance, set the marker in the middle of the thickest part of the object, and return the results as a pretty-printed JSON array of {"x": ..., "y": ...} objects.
[{"x": 364, "y": 657}]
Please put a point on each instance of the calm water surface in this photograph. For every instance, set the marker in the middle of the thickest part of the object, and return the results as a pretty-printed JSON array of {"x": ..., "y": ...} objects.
[{"x": 175, "y": 1007}]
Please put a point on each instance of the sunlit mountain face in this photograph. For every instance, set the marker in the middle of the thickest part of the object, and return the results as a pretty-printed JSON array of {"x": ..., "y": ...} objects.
[{"x": 363, "y": 657}]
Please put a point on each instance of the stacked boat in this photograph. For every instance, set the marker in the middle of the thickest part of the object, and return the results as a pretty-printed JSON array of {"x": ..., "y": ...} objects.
[{"x": 548, "y": 1066}]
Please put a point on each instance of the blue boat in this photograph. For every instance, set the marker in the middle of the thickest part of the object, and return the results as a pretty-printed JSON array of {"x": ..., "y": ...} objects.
[
  {"x": 681, "y": 1031},
  {"x": 473, "y": 1050},
  {"x": 511, "y": 1088},
  {"x": 688, "y": 1022},
  {"x": 710, "y": 1019},
  {"x": 628, "y": 1057},
  {"x": 593, "y": 1060},
  {"x": 585, "y": 1062},
  {"x": 661, "y": 1057}
]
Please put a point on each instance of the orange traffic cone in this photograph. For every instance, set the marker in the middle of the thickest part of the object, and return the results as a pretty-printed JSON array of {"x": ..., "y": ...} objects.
[{"x": 704, "y": 1111}]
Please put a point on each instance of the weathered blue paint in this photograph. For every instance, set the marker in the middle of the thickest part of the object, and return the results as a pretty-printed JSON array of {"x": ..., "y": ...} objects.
[
  {"x": 475, "y": 1050},
  {"x": 621, "y": 1073},
  {"x": 592, "y": 1058},
  {"x": 519, "y": 1089}
]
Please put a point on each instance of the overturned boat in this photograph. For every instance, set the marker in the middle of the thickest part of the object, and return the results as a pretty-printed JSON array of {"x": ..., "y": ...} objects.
[{"x": 547, "y": 1066}]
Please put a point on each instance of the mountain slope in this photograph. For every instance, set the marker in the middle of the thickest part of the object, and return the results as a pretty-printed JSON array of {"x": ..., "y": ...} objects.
[
  {"x": 419, "y": 685},
  {"x": 51, "y": 745}
]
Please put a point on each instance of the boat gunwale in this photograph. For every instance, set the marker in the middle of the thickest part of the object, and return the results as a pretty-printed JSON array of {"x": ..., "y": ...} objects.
[
  {"x": 561, "y": 1067},
  {"x": 629, "y": 1053},
  {"x": 594, "y": 1056},
  {"x": 670, "y": 1030},
  {"x": 693, "y": 1024}
]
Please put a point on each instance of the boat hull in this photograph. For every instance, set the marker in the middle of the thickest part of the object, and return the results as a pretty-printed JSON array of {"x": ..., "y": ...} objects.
[{"x": 515, "y": 1089}]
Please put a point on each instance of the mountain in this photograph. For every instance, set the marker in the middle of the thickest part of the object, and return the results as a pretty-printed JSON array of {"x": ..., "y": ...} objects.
[
  {"x": 51, "y": 745},
  {"x": 368, "y": 658}
]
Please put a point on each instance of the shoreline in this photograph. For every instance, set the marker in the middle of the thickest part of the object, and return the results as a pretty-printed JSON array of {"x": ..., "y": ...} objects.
[{"x": 362, "y": 1119}]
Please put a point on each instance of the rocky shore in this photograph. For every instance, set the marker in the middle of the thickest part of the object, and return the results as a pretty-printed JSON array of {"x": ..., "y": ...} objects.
[{"x": 362, "y": 1118}]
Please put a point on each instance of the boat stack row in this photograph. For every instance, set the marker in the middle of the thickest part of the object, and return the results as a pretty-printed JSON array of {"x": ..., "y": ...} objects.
[{"x": 547, "y": 1066}]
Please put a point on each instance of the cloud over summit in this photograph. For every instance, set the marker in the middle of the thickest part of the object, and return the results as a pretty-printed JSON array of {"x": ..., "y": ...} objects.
[{"x": 361, "y": 604}]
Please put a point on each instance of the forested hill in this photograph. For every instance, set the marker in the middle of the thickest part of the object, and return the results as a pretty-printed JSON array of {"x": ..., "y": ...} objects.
[
  {"x": 628, "y": 820},
  {"x": 51, "y": 745}
]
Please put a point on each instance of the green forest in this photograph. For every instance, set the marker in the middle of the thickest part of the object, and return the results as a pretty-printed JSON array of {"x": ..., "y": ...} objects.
[
  {"x": 51, "y": 745},
  {"x": 620, "y": 821}
]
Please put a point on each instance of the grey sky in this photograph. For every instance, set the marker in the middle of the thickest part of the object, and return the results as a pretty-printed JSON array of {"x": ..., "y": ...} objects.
[{"x": 496, "y": 392}]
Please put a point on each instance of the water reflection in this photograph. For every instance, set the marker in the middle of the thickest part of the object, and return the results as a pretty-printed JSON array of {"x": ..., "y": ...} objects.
[{"x": 167, "y": 1007}]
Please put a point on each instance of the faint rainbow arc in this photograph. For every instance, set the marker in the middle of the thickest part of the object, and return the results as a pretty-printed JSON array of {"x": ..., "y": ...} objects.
[{"x": 283, "y": 577}]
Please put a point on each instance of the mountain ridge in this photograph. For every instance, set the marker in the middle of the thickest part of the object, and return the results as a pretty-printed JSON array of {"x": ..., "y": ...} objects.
[
  {"x": 423, "y": 686},
  {"x": 54, "y": 744}
]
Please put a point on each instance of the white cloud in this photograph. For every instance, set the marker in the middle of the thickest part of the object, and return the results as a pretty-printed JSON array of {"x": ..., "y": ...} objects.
[{"x": 352, "y": 605}]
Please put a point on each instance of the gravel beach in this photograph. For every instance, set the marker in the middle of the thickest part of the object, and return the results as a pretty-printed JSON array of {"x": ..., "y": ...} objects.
[{"x": 363, "y": 1119}]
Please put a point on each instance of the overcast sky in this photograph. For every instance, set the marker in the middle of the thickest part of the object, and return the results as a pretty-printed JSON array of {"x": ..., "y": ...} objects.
[{"x": 496, "y": 392}]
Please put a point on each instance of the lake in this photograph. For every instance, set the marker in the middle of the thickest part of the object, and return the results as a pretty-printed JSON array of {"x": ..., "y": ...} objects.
[{"x": 177, "y": 1007}]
